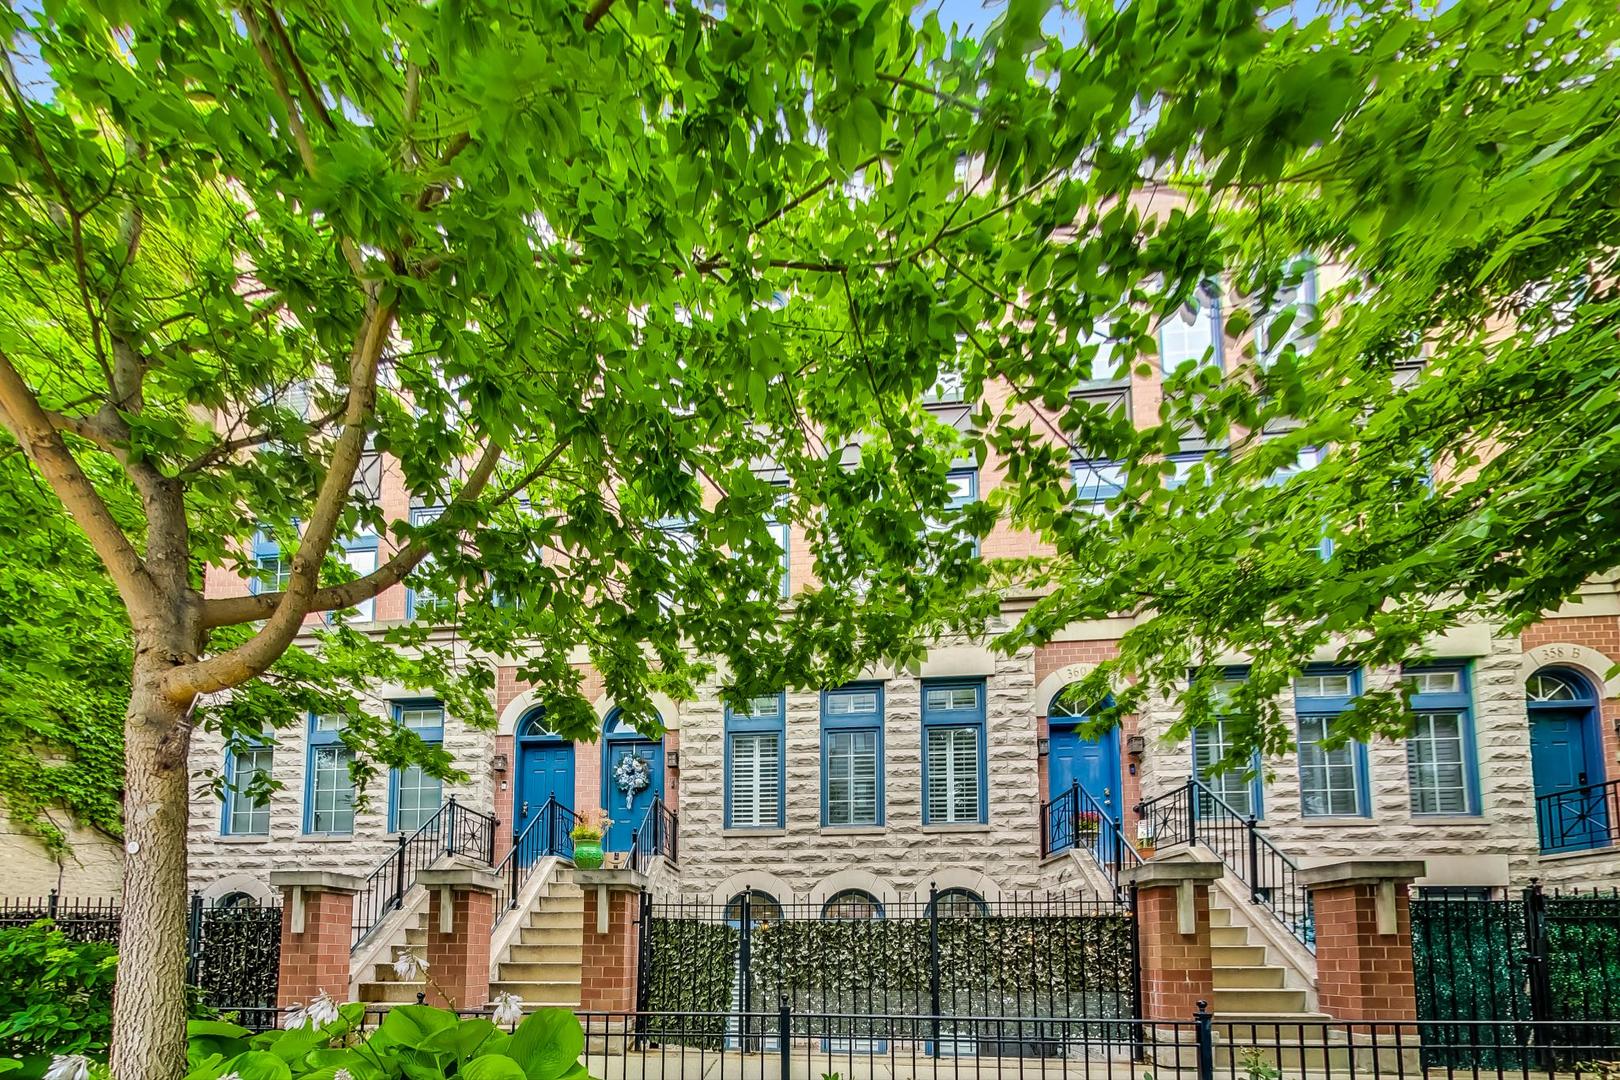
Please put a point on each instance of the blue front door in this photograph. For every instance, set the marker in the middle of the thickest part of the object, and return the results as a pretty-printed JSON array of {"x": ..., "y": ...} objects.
[
  {"x": 1561, "y": 763},
  {"x": 1094, "y": 765},
  {"x": 545, "y": 771},
  {"x": 628, "y": 810}
]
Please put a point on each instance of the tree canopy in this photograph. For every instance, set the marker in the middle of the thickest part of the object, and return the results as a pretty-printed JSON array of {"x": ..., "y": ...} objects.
[
  {"x": 613, "y": 285},
  {"x": 1432, "y": 442}
]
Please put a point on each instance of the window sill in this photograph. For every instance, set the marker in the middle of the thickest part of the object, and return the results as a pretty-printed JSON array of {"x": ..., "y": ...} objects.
[
  {"x": 853, "y": 830},
  {"x": 1338, "y": 822},
  {"x": 243, "y": 838},
  {"x": 743, "y": 834},
  {"x": 1449, "y": 820},
  {"x": 326, "y": 838},
  {"x": 962, "y": 827}
]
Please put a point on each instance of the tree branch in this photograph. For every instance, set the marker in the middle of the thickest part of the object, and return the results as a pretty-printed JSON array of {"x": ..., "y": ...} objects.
[
  {"x": 254, "y": 655},
  {"x": 233, "y": 610},
  {"x": 40, "y": 439},
  {"x": 597, "y": 13}
]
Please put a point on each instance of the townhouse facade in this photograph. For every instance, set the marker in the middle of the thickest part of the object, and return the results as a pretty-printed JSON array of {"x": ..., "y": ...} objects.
[{"x": 952, "y": 777}]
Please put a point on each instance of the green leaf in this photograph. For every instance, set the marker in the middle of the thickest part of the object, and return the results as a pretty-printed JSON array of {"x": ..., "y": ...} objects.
[
  {"x": 492, "y": 1067},
  {"x": 547, "y": 1043},
  {"x": 258, "y": 1065}
]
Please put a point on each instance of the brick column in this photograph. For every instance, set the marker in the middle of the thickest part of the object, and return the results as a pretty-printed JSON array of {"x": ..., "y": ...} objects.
[
  {"x": 461, "y": 916},
  {"x": 1172, "y": 924},
  {"x": 612, "y": 907},
  {"x": 1364, "y": 937},
  {"x": 317, "y": 929}
]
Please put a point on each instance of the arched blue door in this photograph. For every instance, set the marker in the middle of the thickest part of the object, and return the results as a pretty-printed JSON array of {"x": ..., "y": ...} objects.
[
  {"x": 1092, "y": 763},
  {"x": 545, "y": 771},
  {"x": 1566, "y": 761},
  {"x": 627, "y": 809}
]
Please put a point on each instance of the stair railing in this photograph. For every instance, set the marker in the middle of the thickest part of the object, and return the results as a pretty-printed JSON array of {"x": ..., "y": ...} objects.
[
  {"x": 1194, "y": 814},
  {"x": 549, "y": 832},
  {"x": 658, "y": 834},
  {"x": 1579, "y": 818},
  {"x": 452, "y": 830},
  {"x": 1076, "y": 821}
]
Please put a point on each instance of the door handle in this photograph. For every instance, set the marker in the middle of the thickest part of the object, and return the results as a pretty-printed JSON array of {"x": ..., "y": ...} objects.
[
  {"x": 1581, "y": 780},
  {"x": 525, "y": 809}
]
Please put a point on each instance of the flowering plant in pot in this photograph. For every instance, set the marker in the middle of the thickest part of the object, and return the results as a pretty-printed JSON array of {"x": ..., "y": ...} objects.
[
  {"x": 587, "y": 837},
  {"x": 1087, "y": 823}
]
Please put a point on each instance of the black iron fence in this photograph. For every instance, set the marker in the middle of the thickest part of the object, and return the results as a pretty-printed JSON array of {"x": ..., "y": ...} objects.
[
  {"x": 1551, "y": 958},
  {"x": 233, "y": 950},
  {"x": 452, "y": 830},
  {"x": 952, "y": 955},
  {"x": 1580, "y": 818},
  {"x": 549, "y": 832},
  {"x": 658, "y": 835},
  {"x": 785, "y": 1043},
  {"x": 1194, "y": 814},
  {"x": 1076, "y": 821}
]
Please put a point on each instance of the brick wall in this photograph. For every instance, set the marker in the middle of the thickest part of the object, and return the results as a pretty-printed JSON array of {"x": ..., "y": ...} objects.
[
  {"x": 608, "y": 971},
  {"x": 459, "y": 961},
  {"x": 317, "y": 959},
  {"x": 1362, "y": 974},
  {"x": 1176, "y": 971}
]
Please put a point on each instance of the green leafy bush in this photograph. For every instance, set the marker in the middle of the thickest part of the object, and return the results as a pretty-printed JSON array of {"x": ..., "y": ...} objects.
[
  {"x": 55, "y": 993},
  {"x": 416, "y": 1042}
]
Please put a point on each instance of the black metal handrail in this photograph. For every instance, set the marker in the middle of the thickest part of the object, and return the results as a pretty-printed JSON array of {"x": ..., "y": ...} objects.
[
  {"x": 548, "y": 832},
  {"x": 658, "y": 834},
  {"x": 1579, "y": 818},
  {"x": 1193, "y": 814},
  {"x": 452, "y": 830},
  {"x": 1076, "y": 821}
]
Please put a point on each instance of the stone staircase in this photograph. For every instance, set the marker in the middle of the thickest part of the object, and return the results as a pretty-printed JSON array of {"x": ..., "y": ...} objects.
[
  {"x": 386, "y": 988},
  {"x": 542, "y": 965},
  {"x": 1246, "y": 986}
]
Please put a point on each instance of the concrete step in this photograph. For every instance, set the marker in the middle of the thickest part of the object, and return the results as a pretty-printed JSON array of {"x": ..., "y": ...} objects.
[
  {"x": 551, "y": 935},
  {"x": 550, "y": 917},
  {"x": 416, "y": 935},
  {"x": 536, "y": 994},
  {"x": 1249, "y": 978},
  {"x": 563, "y": 953},
  {"x": 541, "y": 973},
  {"x": 1228, "y": 935},
  {"x": 394, "y": 992},
  {"x": 1237, "y": 955},
  {"x": 1246, "y": 1000},
  {"x": 574, "y": 904},
  {"x": 1219, "y": 916}
]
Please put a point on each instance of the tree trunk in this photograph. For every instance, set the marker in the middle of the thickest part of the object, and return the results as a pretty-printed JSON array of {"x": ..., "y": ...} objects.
[{"x": 149, "y": 1002}]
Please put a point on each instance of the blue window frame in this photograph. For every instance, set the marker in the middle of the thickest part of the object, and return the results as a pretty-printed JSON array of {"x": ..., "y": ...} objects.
[
  {"x": 964, "y": 488},
  {"x": 413, "y": 795},
  {"x": 756, "y": 771},
  {"x": 328, "y": 787},
  {"x": 240, "y": 815},
  {"x": 1097, "y": 482},
  {"x": 954, "y": 788},
  {"x": 420, "y": 601},
  {"x": 1298, "y": 292},
  {"x": 852, "y": 756},
  {"x": 1193, "y": 333},
  {"x": 1442, "y": 761},
  {"x": 778, "y": 526},
  {"x": 1332, "y": 782},
  {"x": 272, "y": 570},
  {"x": 359, "y": 553},
  {"x": 1241, "y": 789}
]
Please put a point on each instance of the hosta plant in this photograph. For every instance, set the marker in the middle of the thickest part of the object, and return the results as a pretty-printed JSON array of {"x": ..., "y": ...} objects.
[{"x": 415, "y": 1042}]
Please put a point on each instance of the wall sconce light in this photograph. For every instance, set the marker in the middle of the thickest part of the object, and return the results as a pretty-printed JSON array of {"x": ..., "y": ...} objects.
[
  {"x": 1043, "y": 746},
  {"x": 1135, "y": 746},
  {"x": 675, "y": 759},
  {"x": 498, "y": 763}
]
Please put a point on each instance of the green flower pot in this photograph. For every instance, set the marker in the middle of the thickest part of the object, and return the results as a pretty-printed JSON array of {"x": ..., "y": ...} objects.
[{"x": 588, "y": 854}]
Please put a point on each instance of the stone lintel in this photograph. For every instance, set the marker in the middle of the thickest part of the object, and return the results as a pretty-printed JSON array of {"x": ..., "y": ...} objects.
[
  {"x": 1361, "y": 872},
  {"x": 1171, "y": 872},
  {"x": 316, "y": 881}
]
